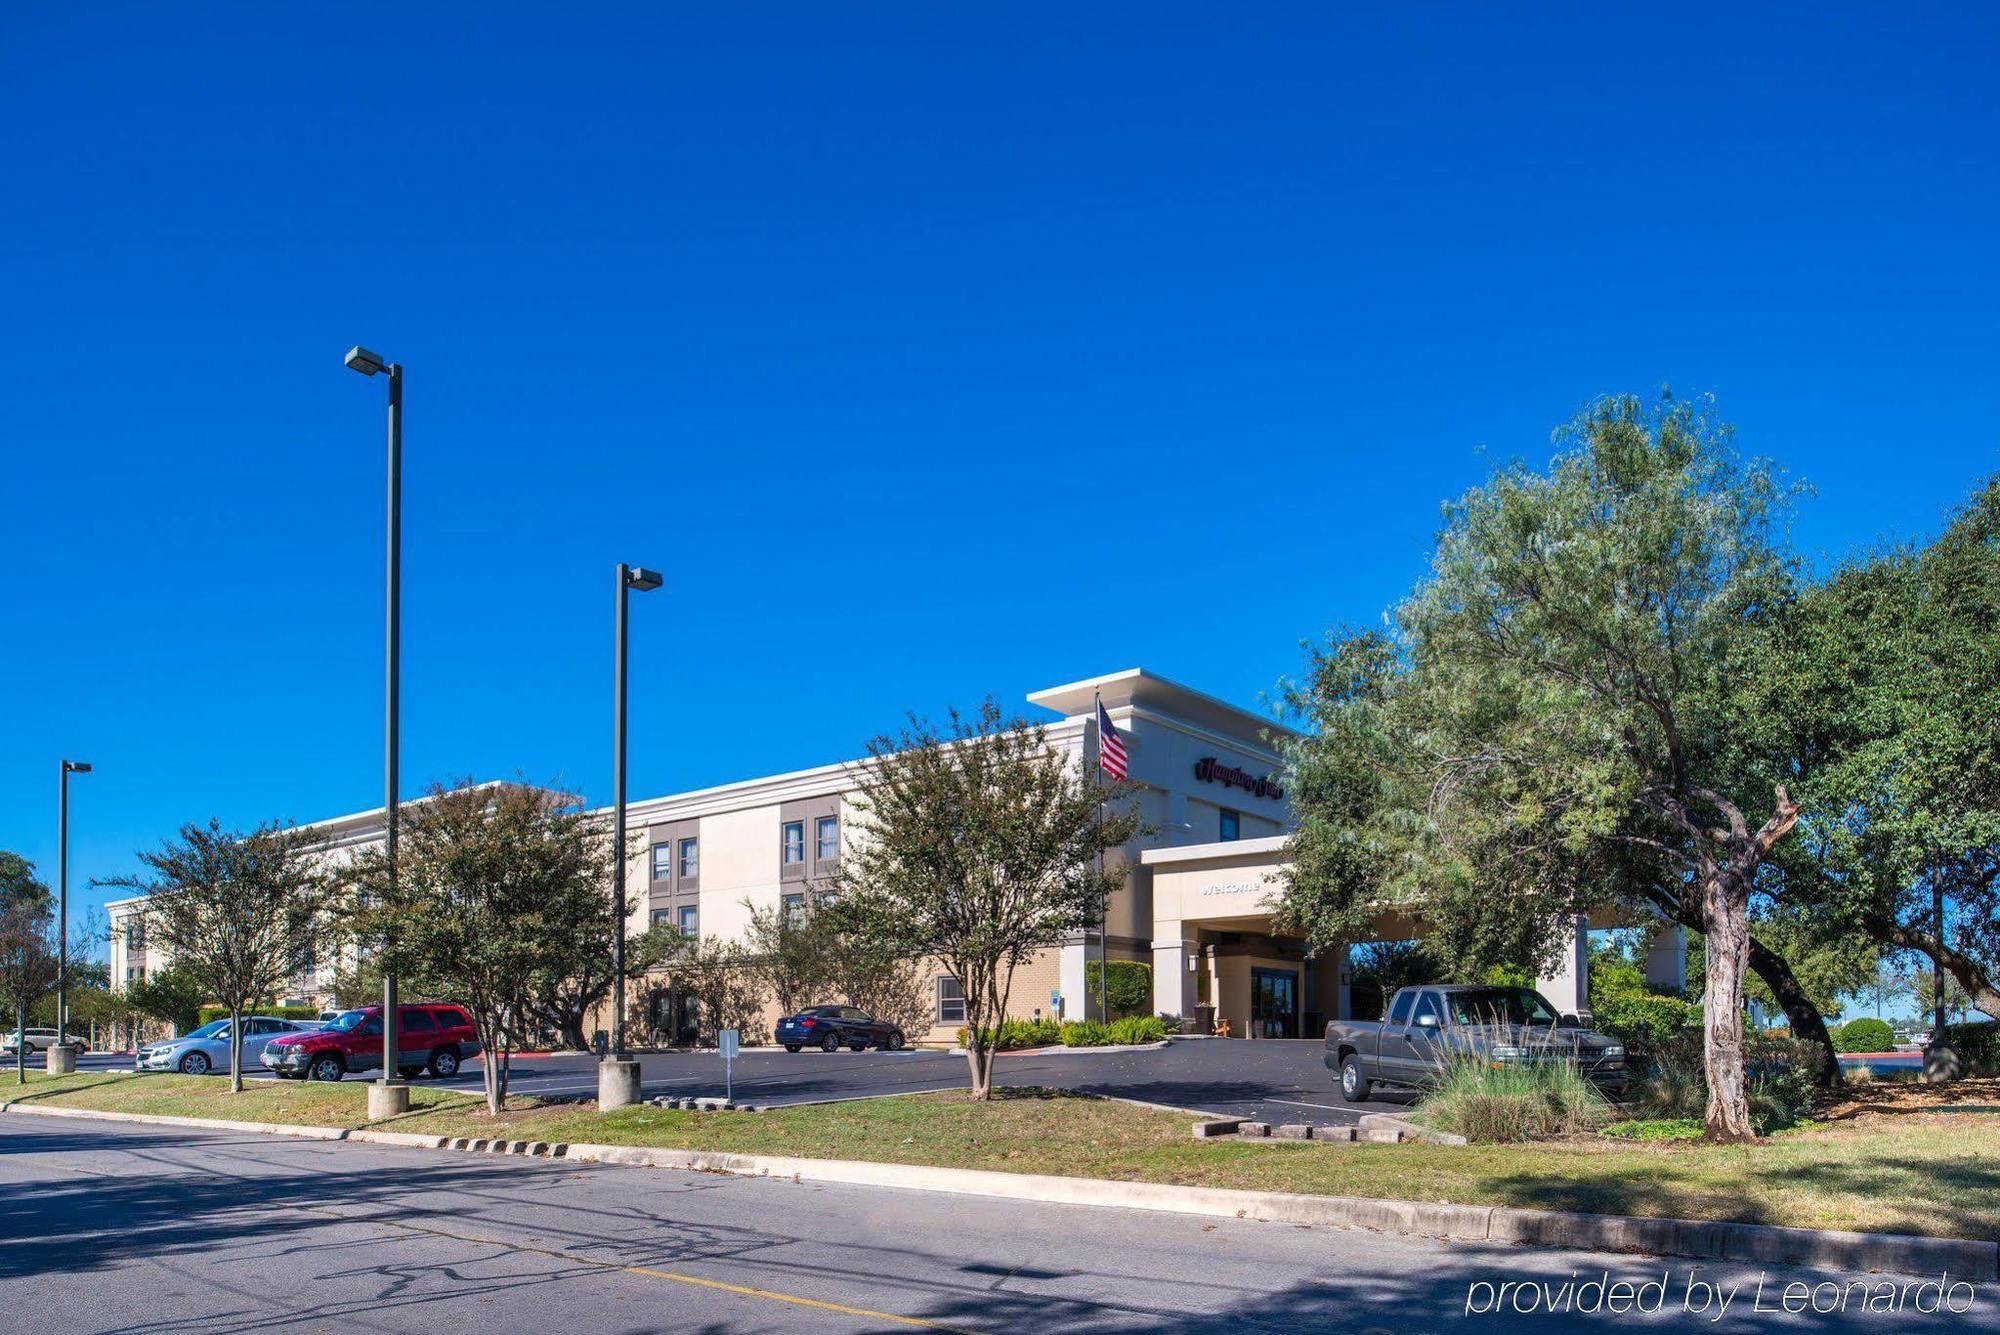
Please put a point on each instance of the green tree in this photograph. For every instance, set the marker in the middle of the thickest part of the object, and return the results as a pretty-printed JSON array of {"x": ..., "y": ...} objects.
[
  {"x": 979, "y": 845},
  {"x": 172, "y": 995},
  {"x": 792, "y": 953},
  {"x": 1883, "y": 681},
  {"x": 1549, "y": 726},
  {"x": 877, "y": 977},
  {"x": 494, "y": 884},
  {"x": 230, "y": 908},
  {"x": 18, "y": 881},
  {"x": 28, "y": 956},
  {"x": 724, "y": 980},
  {"x": 575, "y": 983}
]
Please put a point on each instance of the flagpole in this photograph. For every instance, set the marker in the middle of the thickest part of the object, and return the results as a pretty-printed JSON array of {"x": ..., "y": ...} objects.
[{"x": 1097, "y": 779}]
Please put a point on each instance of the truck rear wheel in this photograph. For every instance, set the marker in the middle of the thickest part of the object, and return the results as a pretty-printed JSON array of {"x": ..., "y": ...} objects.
[{"x": 1354, "y": 1086}]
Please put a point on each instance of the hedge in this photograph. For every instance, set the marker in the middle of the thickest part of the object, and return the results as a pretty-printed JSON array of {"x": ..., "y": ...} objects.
[
  {"x": 1133, "y": 1029},
  {"x": 1866, "y": 1034},
  {"x": 1128, "y": 986},
  {"x": 208, "y": 1013},
  {"x": 1977, "y": 1045}
]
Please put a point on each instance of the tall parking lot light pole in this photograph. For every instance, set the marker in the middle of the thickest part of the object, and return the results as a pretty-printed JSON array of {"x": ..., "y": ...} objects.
[
  {"x": 69, "y": 767},
  {"x": 389, "y": 1096},
  {"x": 618, "y": 1074}
]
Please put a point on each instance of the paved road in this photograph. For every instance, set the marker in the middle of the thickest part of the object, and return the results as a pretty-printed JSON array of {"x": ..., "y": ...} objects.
[
  {"x": 1276, "y": 1081},
  {"x": 124, "y": 1228}
]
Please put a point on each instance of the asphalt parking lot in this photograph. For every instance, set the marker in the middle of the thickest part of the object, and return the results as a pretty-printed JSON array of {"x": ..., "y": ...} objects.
[{"x": 1270, "y": 1080}]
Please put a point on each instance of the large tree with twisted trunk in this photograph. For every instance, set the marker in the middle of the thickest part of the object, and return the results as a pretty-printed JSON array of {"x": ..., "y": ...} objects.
[{"x": 1548, "y": 724}]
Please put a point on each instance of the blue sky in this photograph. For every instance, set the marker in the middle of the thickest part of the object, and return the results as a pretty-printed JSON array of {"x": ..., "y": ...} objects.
[{"x": 929, "y": 351}]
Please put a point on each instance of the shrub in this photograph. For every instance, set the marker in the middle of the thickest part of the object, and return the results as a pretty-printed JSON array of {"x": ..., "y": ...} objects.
[
  {"x": 1977, "y": 1046},
  {"x": 1649, "y": 1023},
  {"x": 1781, "y": 1080},
  {"x": 1866, "y": 1034},
  {"x": 1496, "y": 1103},
  {"x": 1016, "y": 1034},
  {"x": 1674, "y": 1092},
  {"x": 1138, "y": 1029},
  {"x": 208, "y": 1013},
  {"x": 1779, "y": 1071},
  {"x": 1669, "y": 1128},
  {"x": 1128, "y": 986}
]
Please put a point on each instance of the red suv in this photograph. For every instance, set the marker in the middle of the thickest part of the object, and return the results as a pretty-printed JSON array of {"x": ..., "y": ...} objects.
[{"x": 431, "y": 1038}]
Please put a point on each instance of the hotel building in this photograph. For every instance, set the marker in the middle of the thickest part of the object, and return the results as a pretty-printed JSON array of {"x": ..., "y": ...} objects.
[{"x": 1196, "y": 904}]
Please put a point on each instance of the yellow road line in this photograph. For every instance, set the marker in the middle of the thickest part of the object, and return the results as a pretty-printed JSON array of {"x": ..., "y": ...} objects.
[
  {"x": 725, "y": 1286},
  {"x": 742, "y": 1290}
]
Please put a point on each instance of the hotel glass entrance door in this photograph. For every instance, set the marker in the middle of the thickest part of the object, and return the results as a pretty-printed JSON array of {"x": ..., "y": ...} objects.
[{"x": 1274, "y": 1003}]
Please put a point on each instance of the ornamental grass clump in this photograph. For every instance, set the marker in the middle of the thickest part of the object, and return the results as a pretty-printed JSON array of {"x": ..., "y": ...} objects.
[{"x": 1503, "y": 1102}]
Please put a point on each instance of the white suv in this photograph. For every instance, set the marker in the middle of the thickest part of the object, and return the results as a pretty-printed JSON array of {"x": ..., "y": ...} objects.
[{"x": 39, "y": 1040}]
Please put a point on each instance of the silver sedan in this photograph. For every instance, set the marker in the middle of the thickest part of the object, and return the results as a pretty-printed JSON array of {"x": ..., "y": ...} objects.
[{"x": 207, "y": 1048}]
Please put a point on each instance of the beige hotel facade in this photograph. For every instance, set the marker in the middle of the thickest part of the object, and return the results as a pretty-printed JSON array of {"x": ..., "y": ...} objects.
[{"x": 1196, "y": 904}]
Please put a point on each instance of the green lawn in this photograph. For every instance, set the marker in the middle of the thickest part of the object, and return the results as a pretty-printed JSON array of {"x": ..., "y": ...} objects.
[
  {"x": 297, "y": 1102},
  {"x": 1913, "y": 1174}
]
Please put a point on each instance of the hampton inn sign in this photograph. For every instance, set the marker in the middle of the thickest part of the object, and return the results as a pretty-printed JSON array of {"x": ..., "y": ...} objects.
[{"x": 1210, "y": 770}]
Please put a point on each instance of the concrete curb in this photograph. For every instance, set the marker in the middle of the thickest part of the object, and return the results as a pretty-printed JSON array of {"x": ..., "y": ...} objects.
[
  {"x": 1759, "y": 1243},
  {"x": 204, "y": 1123},
  {"x": 1743, "y": 1243}
]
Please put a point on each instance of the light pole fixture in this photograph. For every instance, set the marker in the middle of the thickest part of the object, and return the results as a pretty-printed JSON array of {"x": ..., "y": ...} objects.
[
  {"x": 618, "y": 1076},
  {"x": 390, "y": 1095},
  {"x": 69, "y": 767}
]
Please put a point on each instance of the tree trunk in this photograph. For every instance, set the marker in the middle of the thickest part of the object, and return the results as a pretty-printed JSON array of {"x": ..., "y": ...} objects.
[
  {"x": 21, "y": 1045},
  {"x": 1726, "y": 926},
  {"x": 1807, "y": 1023},
  {"x": 235, "y": 1051},
  {"x": 490, "y": 1067},
  {"x": 1804, "y": 1016},
  {"x": 979, "y": 1060}
]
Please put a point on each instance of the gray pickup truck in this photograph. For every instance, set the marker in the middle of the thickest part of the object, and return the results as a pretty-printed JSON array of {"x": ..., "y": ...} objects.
[{"x": 1430, "y": 1026}]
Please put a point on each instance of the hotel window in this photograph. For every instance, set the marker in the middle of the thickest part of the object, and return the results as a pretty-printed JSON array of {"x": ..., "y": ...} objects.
[
  {"x": 826, "y": 833},
  {"x": 663, "y": 861},
  {"x": 795, "y": 842},
  {"x": 690, "y": 920},
  {"x": 690, "y": 859},
  {"x": 661, "y": 917},
  {"x": 135, "y": 934},
  {"x": 795, "y": 907},
  {"x": 1232, "y": 826},
  {"x": 950, "y": 1001}
]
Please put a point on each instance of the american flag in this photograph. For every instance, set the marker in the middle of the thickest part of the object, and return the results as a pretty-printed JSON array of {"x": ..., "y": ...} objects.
[{"x": 1110, "y": 746}]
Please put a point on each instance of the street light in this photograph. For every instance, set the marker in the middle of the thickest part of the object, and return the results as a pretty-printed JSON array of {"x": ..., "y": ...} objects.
[
  {"x": 69, "y": 767},
  {"x": 389, "y": 1096},
  {"x": 618, "y": 1074}
]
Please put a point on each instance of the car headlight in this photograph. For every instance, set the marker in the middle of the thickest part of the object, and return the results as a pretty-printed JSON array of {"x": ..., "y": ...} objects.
[
  {"x": 1509, "y": 1053},
  {"x": 1613, "y": 1050}
]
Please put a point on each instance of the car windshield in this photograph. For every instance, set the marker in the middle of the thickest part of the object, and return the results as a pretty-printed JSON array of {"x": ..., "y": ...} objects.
[
  {"x": 213, "y": 1029},
  {"x": 347, "y": 1021},
  {"x": 1500, "y": 1005}
]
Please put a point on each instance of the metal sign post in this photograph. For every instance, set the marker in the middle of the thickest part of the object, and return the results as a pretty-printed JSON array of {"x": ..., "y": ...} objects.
[{"x": 725, "y": 1043}]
